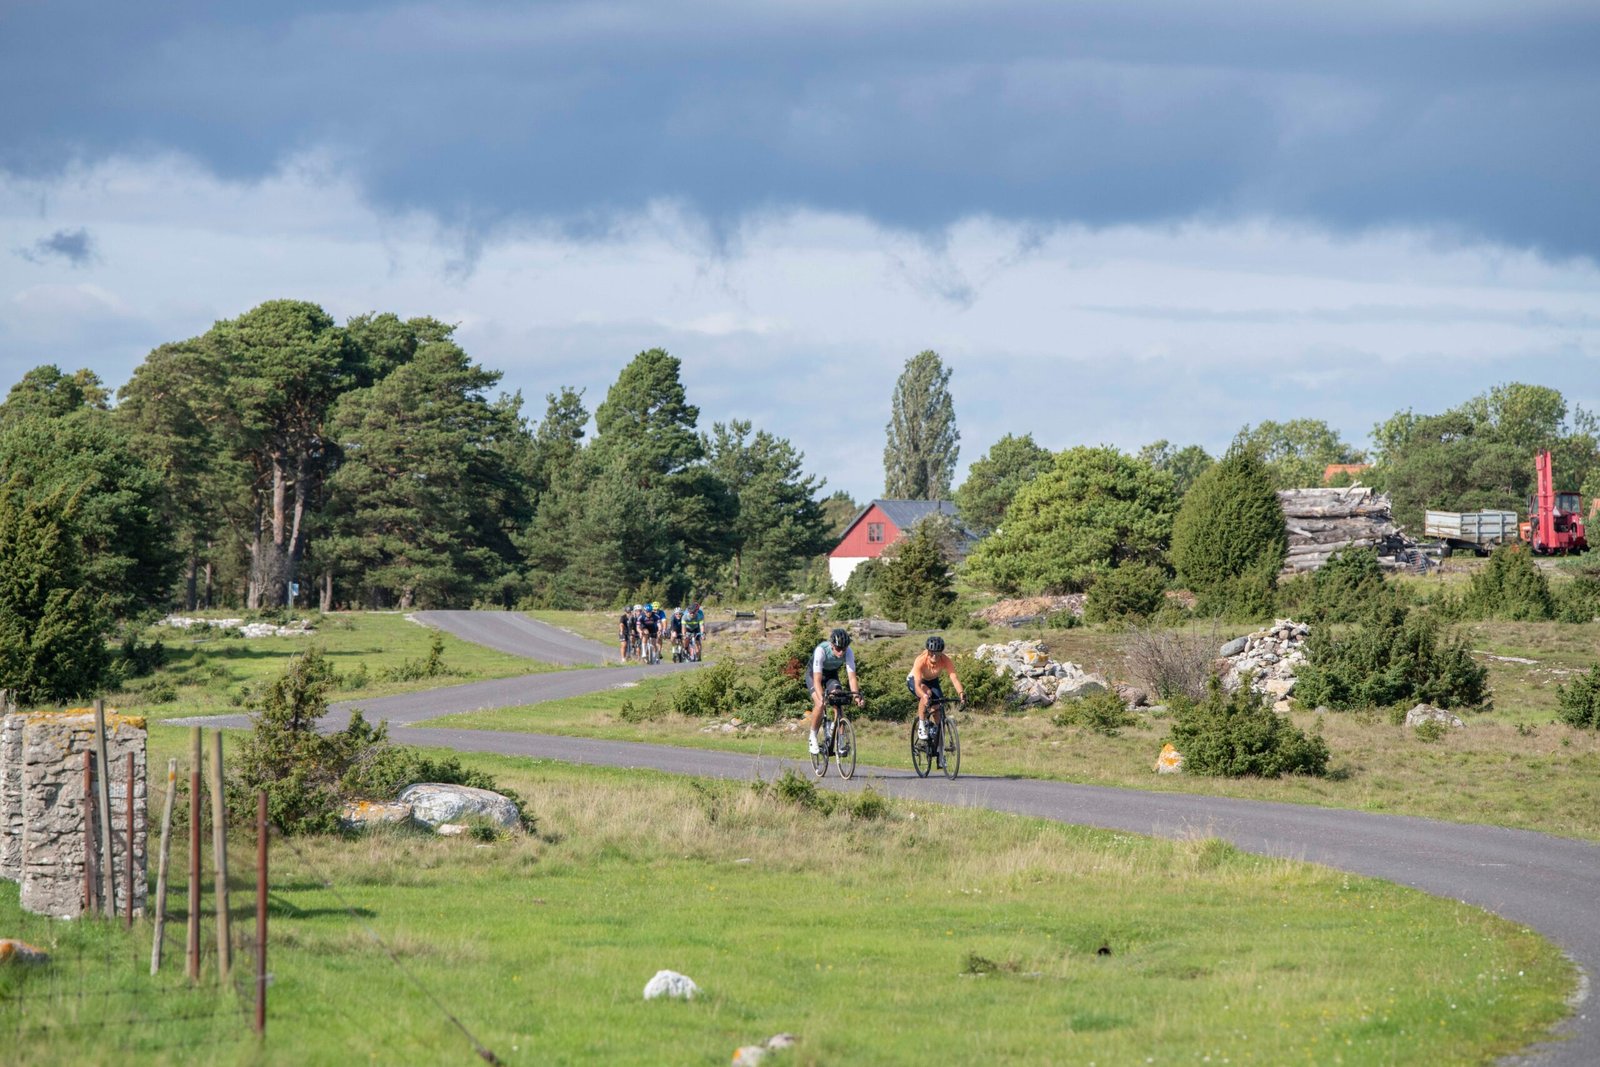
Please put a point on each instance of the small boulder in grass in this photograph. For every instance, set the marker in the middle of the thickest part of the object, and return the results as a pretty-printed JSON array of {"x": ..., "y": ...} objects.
[
  {"x": 1170, "y": 761},
  {"x": 21, "y": 952},
  {"x": 749, "y": 1055},
  {"x": 433, "y": 803},
  {"x": 670, "y": 984}
]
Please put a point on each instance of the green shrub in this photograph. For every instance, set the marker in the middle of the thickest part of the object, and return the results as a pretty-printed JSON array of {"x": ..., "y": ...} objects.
[
  {"x": 308, "y": 775},
  {"x": 717, "y": 690},
  {"x": 1238, "y": 734},
  {"x": 1065, "y": 619},
  {"x": 847, "y": 606},
  {"x": 1230, "y": 526},
  {"x": 867, "y": 805},
  {"x": 881, "y": 668},
  {"x": 1579, "y": 599},
  {"x": 136, "y": 659},
  {"x": 986, "y": 690},
  {"x": 414, "y": 670},
  {"x": 1395, "y": 655},
  {"x": 1510, "y": 587},
  {"x": 1431, "y": 731},
  {"x": 915, "y": 585},
  {"x": 1345, "y": 589},
  {"x": 864, "y": 578},
  {"x": 1101, "y": 713},
  {"x": 1578, "y": 704},
  {"x": 1244, "y": 597},
  {"x": 654, "y": 709},
  {"x": 791, "y": 788},
  {"x": 1129, "y": 593}
]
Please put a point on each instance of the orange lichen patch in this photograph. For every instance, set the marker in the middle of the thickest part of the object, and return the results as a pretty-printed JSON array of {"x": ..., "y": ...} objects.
[
  {"x": 113, "y": 718},
  {"x": 21, "y": 952}
]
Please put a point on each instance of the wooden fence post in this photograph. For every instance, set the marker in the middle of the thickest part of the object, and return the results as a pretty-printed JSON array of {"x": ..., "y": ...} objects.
[
  {"x": 108, "y": 874},
  {"x": 128, "y": 880},
  {"x": 219, "y": 851},
  {"x": 88, "y": 832},
  {"x": 261, "y": 912},
  {"x": 161, "y": 867},
  {"x": 193, "y": 944}
]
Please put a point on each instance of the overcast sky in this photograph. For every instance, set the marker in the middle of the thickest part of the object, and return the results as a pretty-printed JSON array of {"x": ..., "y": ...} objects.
[{"x": 1115, "y": 221}]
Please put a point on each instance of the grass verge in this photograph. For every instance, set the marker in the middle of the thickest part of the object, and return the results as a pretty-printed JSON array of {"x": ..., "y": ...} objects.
[{"x": 879, "y": 934}]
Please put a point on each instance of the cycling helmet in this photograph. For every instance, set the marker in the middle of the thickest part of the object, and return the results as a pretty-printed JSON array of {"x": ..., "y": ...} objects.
[
  {"x": 936, "y": 644},
  {"x": 677, "y": 613},
  {"x": 839, "y": 638}
]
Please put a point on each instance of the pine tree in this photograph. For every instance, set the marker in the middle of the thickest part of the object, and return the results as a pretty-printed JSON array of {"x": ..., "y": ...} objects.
[
  {"x": 915, "y": 586},
  {"x": 919, "y": 458},
  {"x": 1230, "y": 525},
  {"x": 52, "y": 627}
]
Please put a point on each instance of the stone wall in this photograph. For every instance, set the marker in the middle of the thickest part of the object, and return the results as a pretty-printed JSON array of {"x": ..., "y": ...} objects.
[{"x": 42, "y": 809}]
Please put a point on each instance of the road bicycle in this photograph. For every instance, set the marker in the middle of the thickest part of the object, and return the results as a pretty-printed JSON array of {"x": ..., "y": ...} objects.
[
  {"x": 634, "y": 649},
  {"x": 943, "y": 743},
  {"x": 839, "y": 737},
  {"x": 679, "y": 652},
  {"x": 691, "y": 644},
  {"x": 652, "y": 650}
]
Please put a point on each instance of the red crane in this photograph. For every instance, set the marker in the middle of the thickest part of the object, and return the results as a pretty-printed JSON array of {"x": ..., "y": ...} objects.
[{"x": 1555, "y": 520}]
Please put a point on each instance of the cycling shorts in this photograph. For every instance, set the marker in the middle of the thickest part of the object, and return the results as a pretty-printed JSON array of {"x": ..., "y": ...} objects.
[{"x": 911, "y": 684}]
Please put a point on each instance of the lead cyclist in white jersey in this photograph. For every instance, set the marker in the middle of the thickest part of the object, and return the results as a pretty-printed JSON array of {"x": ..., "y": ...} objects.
[{"x": 831, "y": 656}]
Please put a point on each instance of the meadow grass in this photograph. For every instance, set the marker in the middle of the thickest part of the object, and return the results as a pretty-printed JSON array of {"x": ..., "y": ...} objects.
[
  {"x": 208, "y": 673},
  {"x": 894, "y": 933},
  {"x": 1513, "y": 765}
]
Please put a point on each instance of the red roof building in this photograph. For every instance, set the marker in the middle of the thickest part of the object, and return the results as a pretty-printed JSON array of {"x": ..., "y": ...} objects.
[{"x": 877, "y": 526}]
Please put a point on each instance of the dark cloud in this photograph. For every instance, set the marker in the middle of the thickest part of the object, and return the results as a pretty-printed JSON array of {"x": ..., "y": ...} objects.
[
  {"x": 1471, "y": 117},
  {"x": 73, "y": 246}
]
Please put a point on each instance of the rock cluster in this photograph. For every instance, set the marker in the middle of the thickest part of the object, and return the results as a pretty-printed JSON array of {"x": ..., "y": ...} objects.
[
  {"x": 1025, "y": 610},
  {"x": 297, "y": 628},
  {"x": 1037, "y": 680},
  {"x": 1271, "y": 656},
  {"x": 747, "y": 1055}
]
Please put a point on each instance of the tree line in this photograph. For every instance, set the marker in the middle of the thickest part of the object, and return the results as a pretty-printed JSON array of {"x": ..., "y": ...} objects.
[{"x": 281, "y": 456}]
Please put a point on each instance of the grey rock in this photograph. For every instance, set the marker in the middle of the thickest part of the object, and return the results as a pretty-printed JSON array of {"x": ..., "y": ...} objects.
[
  {"x": 1234, "y": 647},
  {"x": 1428, "y": 713},
  {"x": 433, "y": 803}
]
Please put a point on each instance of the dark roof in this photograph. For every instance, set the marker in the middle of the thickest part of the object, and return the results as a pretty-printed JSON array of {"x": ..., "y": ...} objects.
[{"x": 907, "y": 513}]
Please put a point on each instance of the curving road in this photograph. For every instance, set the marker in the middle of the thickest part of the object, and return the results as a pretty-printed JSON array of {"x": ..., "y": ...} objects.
[{"x": 1550, "y": 884}]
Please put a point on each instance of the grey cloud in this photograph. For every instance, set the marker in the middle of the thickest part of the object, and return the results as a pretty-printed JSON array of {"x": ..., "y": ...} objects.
[
  {"x": 75, "y": 247},
  {"x": 1472, "y": 118}
]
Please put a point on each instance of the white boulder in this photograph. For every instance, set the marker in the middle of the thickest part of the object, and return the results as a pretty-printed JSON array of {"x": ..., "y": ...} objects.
[
  {"x": 670, "y": 984},
  {"x": 433, "y": 804}
]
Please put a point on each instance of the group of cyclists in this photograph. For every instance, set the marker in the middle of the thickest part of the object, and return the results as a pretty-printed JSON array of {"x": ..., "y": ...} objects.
[
  {"x": 835, "y": 655},
  {"x": 643, "y": 627}
]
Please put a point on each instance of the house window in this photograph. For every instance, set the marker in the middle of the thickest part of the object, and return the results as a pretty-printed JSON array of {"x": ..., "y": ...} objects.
[{"x": 875, "y": 532}]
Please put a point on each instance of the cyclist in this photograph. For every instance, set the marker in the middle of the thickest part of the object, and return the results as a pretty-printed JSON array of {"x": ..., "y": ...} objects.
[
  {"x": 625, "y": 632},
  {"x": 694, "y": 621},
  {"x": 650, "y": 631},
  {"x": 830, "y": 657},
  {"x": 923, "y": 681},
  {"x": 675, "y": 630}
]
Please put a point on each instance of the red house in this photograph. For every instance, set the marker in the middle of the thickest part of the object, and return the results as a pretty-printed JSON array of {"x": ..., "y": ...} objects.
[{"x": 879, "y": 525}]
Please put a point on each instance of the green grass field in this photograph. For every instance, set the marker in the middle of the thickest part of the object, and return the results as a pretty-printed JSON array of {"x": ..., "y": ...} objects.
[
  {"x": 208, "y": 673},
  {"x": 907, "y": 935},
  {"x": 1514, "y": 765}
]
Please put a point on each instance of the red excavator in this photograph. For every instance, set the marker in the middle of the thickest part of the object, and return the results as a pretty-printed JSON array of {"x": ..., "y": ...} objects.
[{"x": 1555, "y": 520}]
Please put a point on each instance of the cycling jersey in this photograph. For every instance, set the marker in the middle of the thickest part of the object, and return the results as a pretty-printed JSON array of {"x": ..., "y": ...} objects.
[
  {"x": 826, "y": 662},
  {"x": 647, "y": 623},
  {"x": 625, "y": 627},
  {"x": 692, "y": 621}
]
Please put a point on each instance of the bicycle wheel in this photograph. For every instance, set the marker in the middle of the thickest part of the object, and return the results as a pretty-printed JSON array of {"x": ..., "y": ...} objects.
[
  {"x": 844, "y": 748},
  {"x": 921, "y": 754},
  {"x": 950, "y": 741},
  {"x": 819, "y": 759}
]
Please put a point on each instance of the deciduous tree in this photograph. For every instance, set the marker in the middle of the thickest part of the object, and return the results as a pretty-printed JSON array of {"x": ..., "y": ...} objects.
[{"x": 919, "y": 459}]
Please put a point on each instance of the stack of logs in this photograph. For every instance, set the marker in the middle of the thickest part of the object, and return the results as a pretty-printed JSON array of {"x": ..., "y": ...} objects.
[{"x": 1324, "y": 521}]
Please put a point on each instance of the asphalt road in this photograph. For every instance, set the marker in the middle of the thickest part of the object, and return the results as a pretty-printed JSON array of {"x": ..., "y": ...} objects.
[
  {"x": 512, "y": 632},
  {"x": 1550, "y": 884}
]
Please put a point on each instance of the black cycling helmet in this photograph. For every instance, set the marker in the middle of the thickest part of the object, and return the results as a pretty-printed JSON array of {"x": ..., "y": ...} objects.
[
  {"x": 839, "y": 638},
  {"x": 936, "y": 644}
]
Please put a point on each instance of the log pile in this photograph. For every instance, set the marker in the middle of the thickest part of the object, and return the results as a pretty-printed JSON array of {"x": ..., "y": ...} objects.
[{"x": 1324, "y": 521}]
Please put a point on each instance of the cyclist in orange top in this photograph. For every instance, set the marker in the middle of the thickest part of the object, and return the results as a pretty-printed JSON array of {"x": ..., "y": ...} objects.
[{"x": 923, "y": 681}]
